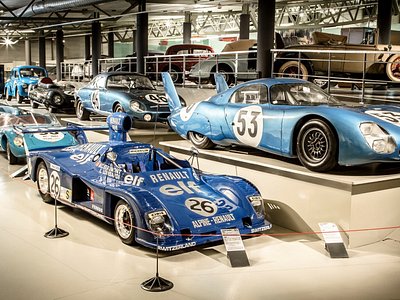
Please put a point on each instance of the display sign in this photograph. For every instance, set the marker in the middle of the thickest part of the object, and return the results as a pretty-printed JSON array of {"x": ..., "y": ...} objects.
[
  {"x": 235, "y": 248},
  {"x": 333, "y": 240}
]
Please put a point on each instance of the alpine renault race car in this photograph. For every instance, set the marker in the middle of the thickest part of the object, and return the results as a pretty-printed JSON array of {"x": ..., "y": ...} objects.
[
  {"x": 145, "y": 192},
  {"x": 12, "y": 120},
  {"x": 289, "y": 117}
]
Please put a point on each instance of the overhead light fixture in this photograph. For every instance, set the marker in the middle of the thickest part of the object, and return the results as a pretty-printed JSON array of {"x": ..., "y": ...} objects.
[{"x": 219, "y": 6}]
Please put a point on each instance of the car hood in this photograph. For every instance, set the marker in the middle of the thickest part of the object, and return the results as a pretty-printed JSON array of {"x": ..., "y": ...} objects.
[
  {"x": 149, "y": 97},
  {"x": 380, "y": 113},
  {"x": 192, "y": 203},
  {"x": 29, "y": 80}
]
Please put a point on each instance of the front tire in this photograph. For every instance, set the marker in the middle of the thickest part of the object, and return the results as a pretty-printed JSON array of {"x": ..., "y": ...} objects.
[
  {"x": 225, "y": 71},
  {"x": 124, "y": 222},
  {"x": 176, "y": 74},
  {"x": 34, "y": 104},
  {"x": 200, "y": 141},
  {"x": 81, "y": 112},
  {"x": 317, "y": 146},
  {"x": 118, "y": 108},
  {"x": 12, "y": 159},
  {"x": 43, "y": 183}
]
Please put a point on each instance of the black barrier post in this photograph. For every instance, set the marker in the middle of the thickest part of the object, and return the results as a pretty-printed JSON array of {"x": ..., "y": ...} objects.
[
  {"x": 157, "y": 283},
  {"x": 55, "y": 232}
]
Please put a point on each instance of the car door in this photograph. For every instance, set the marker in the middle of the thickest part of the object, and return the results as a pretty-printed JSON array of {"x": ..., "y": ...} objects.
[{"x": 252, "y": 120}]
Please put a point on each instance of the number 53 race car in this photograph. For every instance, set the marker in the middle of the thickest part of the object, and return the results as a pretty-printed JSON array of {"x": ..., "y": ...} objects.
[{"x": 145, "y": 192}]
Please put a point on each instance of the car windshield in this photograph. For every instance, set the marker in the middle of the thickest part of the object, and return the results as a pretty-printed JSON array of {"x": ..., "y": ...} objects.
[
  {"x": 28, "y": 118},
  {"x": 32, "y": 72},
  {"x": 130, "y": 81},
  {"x": 301, "y": 94}
]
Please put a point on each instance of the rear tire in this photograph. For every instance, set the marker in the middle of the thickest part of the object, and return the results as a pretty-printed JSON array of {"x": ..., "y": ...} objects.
[
  {"x": 200, "y": 141},
  {"x": 225, "y": 71},
  {"x": 118, "y": 108},
  {"x": 124, "y": 222},
  {"x": 18, "y": 97},
  {"x": 295, "y": 69},
  {"x": 43, "y": 183},
  {"x": 393, "y": 68}
]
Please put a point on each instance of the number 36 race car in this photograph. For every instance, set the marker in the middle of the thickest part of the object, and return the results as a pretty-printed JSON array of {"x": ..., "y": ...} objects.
[{"x": 145, "y": 192}]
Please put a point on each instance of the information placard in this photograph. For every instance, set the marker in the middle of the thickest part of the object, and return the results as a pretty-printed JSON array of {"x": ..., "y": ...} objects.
[
  {"x": 333, "y": 240},
  {"x": 235, "y": 248}
]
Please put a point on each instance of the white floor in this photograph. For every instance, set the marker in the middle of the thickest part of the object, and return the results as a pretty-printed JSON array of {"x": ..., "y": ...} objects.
[{"x": 91, "y": 263}]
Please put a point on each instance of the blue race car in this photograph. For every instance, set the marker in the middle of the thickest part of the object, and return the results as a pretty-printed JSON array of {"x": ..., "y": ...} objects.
[
  {"x": 145, "y": 192},
  {"x": 13, "y": 120},
  {"x": 128, "y": 92},
  {"x": 289, "y": 117},
  {"x": 21, "y": 77}
]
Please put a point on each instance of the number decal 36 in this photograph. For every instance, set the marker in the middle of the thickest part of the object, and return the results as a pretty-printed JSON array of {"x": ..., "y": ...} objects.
[{"x": 248, "y": 125}]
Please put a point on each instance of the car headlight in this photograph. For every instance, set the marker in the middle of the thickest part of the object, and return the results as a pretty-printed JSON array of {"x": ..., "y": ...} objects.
[
  {"x": 158, "y": 222},
  {"x": 147, "y": 117},
  {"x": 258, "y": 204},
  {"x": 24, "y": 85},
  {"x": 136, "y": 106},
  {"x": 18, "y": 141},
  {"x": 58, "y": 100},
  {"x": 377, "y": 138}
]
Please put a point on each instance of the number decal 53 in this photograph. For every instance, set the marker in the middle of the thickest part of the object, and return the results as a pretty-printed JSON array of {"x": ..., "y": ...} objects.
[{"x": 248, "y": 125}]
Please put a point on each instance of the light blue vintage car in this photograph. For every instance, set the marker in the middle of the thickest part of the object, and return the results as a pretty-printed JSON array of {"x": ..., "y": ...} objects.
[
  {"x": 20, "y": 78},
  {"x": 292, "y": 118},
  {"x": 132, "y": 93},
  {"x": 14, "y": 120}
]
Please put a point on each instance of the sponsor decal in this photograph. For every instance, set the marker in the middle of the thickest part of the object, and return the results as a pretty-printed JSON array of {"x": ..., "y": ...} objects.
[
  {"x": 156, "y": 214},
  {"x": 97, "y": 208},
  {"x": 49, "y": 137},
  {"x": 110, "y": 171},
  {"x": 177, "y": 247},
  {"x": 54, "y": 167},
  {"x": 133, "y": 180},
  {"x": 90, "y": 153},
  {"x": 189, "y": 187},
  {"x": 262, "y": 228},
  {"x": 139, "y": 151},
  {"x": 388, "y": 116},
  {"x": 213, "y": 220},
  {"x": 65, "y": 194},
  {"x": 166, "y": 176}
]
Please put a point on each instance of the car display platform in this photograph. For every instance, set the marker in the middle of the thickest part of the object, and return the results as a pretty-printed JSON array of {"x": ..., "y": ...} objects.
[{"x": 362, "y": 201}]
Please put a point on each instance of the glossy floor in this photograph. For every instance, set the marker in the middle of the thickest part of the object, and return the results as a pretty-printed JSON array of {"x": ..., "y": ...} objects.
[{"x": 91, "y": 262}]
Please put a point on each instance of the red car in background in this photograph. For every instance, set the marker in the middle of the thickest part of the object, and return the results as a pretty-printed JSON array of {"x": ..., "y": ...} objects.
[{"x": 179, "y": 59}]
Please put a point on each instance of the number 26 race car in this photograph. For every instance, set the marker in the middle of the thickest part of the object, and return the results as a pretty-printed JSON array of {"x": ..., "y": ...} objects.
[{"x": 145, "y": 192}]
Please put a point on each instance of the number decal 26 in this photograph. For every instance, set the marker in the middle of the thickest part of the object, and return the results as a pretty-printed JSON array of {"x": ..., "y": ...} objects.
[
  {"x": 55, "y": 185},
  {"x": 248, "y": 125},
  {"x": 201, "y": 206}
]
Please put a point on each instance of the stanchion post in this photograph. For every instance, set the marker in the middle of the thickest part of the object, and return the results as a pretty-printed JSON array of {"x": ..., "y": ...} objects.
[
  {"x": 55, "y": 232},
  {"x": 157, "y": 283}
]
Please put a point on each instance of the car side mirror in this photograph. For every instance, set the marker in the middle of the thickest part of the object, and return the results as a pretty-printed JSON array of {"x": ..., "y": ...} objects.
[{"x": 111, "y": 156}]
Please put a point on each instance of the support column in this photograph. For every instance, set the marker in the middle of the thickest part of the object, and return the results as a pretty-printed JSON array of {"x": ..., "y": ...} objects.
[
  {"x": 187, "y": 28},
  {"x": 59, "y": 53},
  {"x": 142, "y": 28},
  {"x": 96, "y": 47},
  {"x": 265, "y": 36},
  {"x": 110, "y": 44},
  {"x": 42, "y": 49},
  {"x": 244, "y": 30},
  {"x": 87, "y": 47},
  {"x": 28, "y": 52},
  {"x": 384, "y": 21}
]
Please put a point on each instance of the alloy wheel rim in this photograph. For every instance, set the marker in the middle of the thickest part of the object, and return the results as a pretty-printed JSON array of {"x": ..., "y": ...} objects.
[
  {"x": 43, "y": 181},
  {"x": 315, "y": 145},
  {"x": 124, "y": 221}
]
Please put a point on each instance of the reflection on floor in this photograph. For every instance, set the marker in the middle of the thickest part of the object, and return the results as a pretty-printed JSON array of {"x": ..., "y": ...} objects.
[{"x": 91, "y": 262}]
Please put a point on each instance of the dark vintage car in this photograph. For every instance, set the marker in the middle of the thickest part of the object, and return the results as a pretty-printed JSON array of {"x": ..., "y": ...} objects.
[
  {"x": 54, "y": 97},
  {"x": 180, "y": 58},
  {"x": 132, "y": 93}
]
